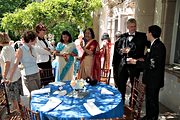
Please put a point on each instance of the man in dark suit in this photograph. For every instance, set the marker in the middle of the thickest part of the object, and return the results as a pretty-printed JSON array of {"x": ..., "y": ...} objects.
[
  {"x": 116, "y": 59},
  {"x": 153, "y": 75},
  {"x": 131, "y": 44}
]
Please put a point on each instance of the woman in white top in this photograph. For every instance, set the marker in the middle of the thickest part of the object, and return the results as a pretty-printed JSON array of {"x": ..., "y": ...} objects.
[
  {"x": 26, "y": 55},
  {"x": 14, "y": 86},
  {"x": 43, "y": 47}
]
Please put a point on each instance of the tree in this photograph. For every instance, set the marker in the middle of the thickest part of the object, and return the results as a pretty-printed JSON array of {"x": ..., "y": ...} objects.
[
  {"x": 57, "y": 15},
  {"x": 9, "y": 6}
]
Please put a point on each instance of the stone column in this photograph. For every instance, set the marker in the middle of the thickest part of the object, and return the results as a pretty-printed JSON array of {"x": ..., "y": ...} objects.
[
  {"x": 110, "y": 21},
  {"x": 167, "y": 23},
  {"x": 96, "y": 24},
  {"x": 144, "y": 14}
]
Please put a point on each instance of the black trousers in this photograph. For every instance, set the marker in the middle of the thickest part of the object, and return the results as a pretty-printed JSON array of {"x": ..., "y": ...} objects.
[
  {"x": 152, "y": 103},
  {"x": 127, "y": 71}
]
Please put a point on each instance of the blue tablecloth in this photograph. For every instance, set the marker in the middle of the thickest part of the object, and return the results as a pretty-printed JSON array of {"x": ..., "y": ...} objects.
[{"x": 111, "y": 105}]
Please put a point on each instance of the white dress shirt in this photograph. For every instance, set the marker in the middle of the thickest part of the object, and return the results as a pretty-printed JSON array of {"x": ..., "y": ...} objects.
[{"x": 130, "y": 37}]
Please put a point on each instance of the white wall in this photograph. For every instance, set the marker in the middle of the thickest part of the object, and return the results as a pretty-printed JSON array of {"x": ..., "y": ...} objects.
[{"x": 170, "y": 94}]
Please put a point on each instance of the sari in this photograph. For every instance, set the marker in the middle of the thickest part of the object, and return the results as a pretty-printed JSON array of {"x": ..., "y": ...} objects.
[
  {"x": 90, "y": 64},
  {"x": 65, "y": 67},
  {"x": 105, "y": 53}
]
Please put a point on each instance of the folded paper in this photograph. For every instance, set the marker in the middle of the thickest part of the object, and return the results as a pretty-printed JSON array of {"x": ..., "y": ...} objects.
[
  {"x": 40, "y": 91},
  {"x": 57, "y": 83},
  {"x": 51, "y": 104},
  {"x": 105, "y": 91},
  {"x": 92, "y": 108}
]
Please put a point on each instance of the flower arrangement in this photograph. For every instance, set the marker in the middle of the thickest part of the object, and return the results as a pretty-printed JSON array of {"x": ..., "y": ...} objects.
[{"x": 77, "y": 84}]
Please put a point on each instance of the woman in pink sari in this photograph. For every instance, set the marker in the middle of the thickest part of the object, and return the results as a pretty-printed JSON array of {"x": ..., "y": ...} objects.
[
  {"x": 90, "y": 62},
  {"x": 105, "y": 51}
]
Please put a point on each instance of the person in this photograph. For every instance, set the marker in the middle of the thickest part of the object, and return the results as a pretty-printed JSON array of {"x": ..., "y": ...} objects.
[
  {"x": 14, "y": 85},
  {"x": 65, "y": 54},
  {"x": 130, "y": 44},
  {"x": 116, "y": 58},
  {"x": 117, "y": 35},
  {"x": 27, "y": 56},
  {"x": 90, "y": 61},
  {"x": 154, "y": 69},
  {"x": 17, "y": 44},
  {"x": 105, "y": 51},
  {"x": 80, "y": 53},
  {"x": 43, "y": 48}
]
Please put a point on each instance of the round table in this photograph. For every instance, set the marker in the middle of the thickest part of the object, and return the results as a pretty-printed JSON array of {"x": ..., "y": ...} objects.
[{"x": 73, "y": 108}]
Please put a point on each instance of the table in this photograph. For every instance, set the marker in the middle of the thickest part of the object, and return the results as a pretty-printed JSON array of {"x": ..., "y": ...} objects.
[{"x": 72, "y": 108}]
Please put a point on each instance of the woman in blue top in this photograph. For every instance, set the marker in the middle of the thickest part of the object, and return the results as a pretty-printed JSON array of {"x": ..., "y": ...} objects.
[
  {"x": 27, "y": 55},
  {"x": 65, "y": 53}
]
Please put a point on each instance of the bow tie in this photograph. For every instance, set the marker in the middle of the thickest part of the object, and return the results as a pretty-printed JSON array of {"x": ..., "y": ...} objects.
[{"x": 131, "y": 35}]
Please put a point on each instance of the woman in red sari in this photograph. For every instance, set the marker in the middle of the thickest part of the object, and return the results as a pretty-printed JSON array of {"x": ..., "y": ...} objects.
[{"x": 90, "y": 62}]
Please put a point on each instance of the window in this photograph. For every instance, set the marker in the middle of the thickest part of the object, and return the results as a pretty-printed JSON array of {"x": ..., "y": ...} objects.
[
  {"x": 177, "y": 45},
  {"x": 175, "y": 48}
]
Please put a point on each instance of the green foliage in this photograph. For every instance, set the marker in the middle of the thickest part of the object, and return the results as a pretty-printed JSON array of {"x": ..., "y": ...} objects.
[
  {"x": 57, "y": 15},
  {"x": 9, "y": 6}
]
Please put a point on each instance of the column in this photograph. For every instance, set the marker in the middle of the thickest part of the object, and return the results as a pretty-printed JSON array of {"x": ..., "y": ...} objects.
[
  {"x": 167, "y": 23},
  {"x": 144, "y": 14},
  {"x": 96, "y": 24}
]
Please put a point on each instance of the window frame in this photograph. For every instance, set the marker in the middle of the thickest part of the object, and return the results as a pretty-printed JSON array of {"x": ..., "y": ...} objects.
[{"x": 175, "y": 33}]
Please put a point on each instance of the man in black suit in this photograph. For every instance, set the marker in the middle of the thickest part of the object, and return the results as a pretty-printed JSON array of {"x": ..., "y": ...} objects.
[
  {"x": 153, "y": 75},
  {"x": 131, "y": 44},
  {"x": 116, "y": 58}
]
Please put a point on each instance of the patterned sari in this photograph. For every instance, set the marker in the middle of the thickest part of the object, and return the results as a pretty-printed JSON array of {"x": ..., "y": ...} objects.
[
  {"x": 105, "y": 53},
  {"x": 65, "y": 68},
  {"x": 90, "y": 64}
]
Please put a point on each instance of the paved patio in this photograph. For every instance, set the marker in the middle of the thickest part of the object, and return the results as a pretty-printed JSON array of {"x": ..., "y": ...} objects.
[{"x": 165, "y": 112}]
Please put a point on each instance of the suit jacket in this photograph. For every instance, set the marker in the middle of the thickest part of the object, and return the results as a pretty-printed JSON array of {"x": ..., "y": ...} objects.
[
  {"x": 137, "y": 44},
  {"x": 116, "y": 56},
  {"x": 140, "y": 42},
  {"x": 154, "y": 65}
]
